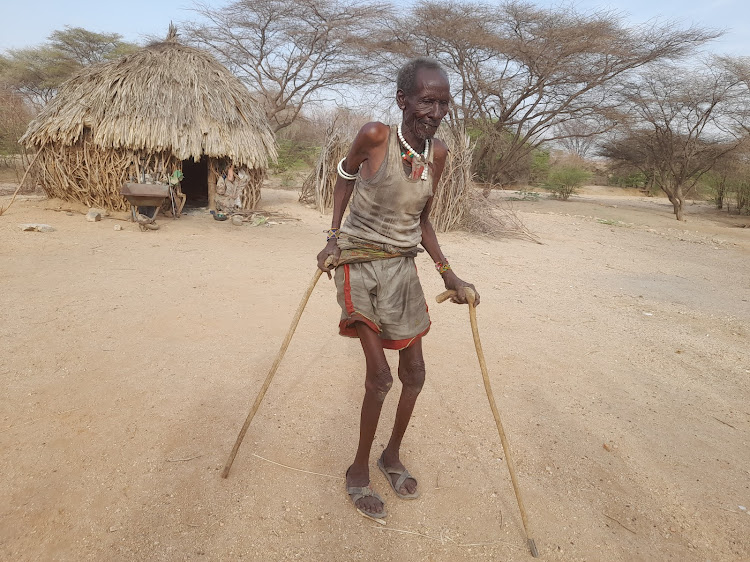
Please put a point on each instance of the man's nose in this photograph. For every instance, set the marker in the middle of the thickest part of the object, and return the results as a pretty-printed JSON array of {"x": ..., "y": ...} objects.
[{"x": 437, "y": 111}]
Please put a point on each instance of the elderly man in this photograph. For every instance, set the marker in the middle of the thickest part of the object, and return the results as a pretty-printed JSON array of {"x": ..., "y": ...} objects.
[{"x": 391, "y": 174}]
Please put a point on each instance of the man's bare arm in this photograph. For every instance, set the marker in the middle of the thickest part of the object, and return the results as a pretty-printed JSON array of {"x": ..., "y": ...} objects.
[
  {"x": 429, "y": 238},
  {"x": 370, "y": 137}
]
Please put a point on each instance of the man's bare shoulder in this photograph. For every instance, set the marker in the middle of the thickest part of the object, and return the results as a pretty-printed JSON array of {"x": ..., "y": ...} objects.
[
  {"x": 440, "y": 149},
  {"x": 373, "y": 133}
]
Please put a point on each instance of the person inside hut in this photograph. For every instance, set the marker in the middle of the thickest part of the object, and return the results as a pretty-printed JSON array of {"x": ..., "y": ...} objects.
[{"x": 390, "y": 174}]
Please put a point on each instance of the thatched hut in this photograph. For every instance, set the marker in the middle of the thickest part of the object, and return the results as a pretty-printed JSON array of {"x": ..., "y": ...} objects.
[{"x": 140, "y": 118}]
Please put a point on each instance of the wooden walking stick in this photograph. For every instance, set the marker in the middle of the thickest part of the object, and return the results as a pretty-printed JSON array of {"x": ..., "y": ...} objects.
[
  {"x": 470, "y": 296},
  {"x": 272, "y": 372}
]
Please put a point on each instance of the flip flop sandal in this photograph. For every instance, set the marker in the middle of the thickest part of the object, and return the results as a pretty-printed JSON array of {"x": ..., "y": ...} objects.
[
  {"x": 358, "y": 492},
  {"x": 403, "y": 476}
]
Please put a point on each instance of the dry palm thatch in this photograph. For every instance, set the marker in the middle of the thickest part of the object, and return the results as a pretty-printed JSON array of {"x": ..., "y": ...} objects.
[
  {"x": 143, "y": 114},
  {"x": 318, "y": 186}
]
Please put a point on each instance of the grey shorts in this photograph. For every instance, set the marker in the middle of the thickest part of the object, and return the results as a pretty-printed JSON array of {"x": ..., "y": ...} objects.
[{"x": 386, "y": 295}]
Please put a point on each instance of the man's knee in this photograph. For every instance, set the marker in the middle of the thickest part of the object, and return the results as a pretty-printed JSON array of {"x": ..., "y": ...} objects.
[
  {"x": 379, "y": 381},
  {"x": 412, "y": 374}
]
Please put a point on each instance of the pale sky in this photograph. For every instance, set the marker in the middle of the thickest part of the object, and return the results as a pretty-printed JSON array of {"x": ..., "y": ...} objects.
[{"x": 27, "y": 23}]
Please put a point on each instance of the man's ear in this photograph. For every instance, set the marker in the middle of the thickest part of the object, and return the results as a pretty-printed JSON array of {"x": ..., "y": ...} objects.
[{"x": 400, "y": 99}]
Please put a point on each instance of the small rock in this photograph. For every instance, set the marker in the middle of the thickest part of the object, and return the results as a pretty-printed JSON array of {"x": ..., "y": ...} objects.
[
  {"x": 152, "y": 226},
  {"x": 118, "y": 227},
  {"x": 93, "y": 215},
  {"x": 36, "y": 227},
  {"x": 69, "y": 213},
  {"x": 237, "y": 220}
]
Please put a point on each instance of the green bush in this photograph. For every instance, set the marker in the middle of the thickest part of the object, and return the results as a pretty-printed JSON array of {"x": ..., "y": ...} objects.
[
  {"x": 565, "y": 180},
  {"x": 295, "y": 155},
  {"x": 539, "y": 167}
]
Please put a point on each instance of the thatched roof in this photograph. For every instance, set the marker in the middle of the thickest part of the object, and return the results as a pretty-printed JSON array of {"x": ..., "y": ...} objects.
[{"x": 164, "y": 97}]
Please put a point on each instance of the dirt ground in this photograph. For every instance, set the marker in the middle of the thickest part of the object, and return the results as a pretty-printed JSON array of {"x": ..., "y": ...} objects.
[{"x": 618, "y": 351}]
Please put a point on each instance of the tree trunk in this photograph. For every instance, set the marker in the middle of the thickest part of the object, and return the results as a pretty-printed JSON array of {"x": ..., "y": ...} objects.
[{"x": 677, "y": 202}]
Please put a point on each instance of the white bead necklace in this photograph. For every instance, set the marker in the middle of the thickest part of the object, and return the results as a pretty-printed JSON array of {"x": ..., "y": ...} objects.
[{"x": 413, "y": 153}]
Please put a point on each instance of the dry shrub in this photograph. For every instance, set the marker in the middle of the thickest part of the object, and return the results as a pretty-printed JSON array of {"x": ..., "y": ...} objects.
[
  {"x": 460, "y": 205},
  {"x": 494, "y": 219}
]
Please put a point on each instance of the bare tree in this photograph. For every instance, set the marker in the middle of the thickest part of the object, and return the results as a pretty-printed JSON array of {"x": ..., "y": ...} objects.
[
  {"x": 14, "y": 118},
  {"x": 290, "y": 52},
  {"x": 529, "y": 70},
  {"x": 579, "y": 137},
  {"x": 739, "y": 68},
  {"x": 682, "y": 122}
]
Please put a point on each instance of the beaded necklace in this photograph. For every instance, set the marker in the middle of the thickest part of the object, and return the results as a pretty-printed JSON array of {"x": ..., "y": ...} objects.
[{"x": 411, "y": 154}]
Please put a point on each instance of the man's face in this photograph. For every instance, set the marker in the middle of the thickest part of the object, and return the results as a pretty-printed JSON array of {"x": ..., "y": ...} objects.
[{"x": 426, "y": 107}]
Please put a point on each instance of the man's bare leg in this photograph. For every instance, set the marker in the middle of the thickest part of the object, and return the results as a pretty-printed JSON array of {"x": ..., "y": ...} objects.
[
  {"x": 411, "y": 372},
  {"x": 378, "y": 381}
]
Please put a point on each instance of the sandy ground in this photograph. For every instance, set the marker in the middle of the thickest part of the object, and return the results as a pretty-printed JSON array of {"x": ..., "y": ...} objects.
[{"x": 618, "y": 351}]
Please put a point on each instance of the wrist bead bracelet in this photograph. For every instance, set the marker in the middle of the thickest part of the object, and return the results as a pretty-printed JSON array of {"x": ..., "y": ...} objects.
[
  {"x": 332, "y": 233},
  {"x": 442, "y": 266}
]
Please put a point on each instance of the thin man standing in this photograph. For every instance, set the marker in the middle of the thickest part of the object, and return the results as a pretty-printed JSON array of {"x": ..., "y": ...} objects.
[{"x": 390, "y": 174}]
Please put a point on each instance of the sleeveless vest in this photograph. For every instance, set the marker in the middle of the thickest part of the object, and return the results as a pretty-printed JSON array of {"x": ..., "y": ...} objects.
[{"x": 386, "y": 208}]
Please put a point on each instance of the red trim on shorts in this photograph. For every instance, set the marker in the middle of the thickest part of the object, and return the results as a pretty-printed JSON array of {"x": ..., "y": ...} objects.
[
  {"x": 346, "y": 326},
  {"x": 398, "y": 345}
]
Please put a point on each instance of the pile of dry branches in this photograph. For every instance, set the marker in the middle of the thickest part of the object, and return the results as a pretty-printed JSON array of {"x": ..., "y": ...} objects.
[
  {"x": 318, "y": 186},
  {"x": 450, "y": 203},
  {"x": 459, "y": 204}
]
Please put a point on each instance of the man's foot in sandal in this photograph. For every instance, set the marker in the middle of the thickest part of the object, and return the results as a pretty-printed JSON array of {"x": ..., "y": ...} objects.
[
  {"x": 402, "y": 482},
  {"x": 362, "y": 495}
]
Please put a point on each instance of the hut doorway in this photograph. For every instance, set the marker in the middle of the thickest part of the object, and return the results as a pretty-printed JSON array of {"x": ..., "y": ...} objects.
[{"x": 195, "y": 183}]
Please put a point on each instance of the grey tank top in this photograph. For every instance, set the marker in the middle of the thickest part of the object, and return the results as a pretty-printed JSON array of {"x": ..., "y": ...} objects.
[{"x": 386, "y": 208}]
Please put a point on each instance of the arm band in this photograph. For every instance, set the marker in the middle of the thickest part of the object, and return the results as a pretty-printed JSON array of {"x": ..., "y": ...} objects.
[{"x": 343, "y": 173}]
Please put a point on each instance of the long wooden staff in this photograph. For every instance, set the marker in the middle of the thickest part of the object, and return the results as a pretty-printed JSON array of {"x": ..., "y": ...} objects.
[
  {"x": 470, "y": 296},
  {"x": 271, "y": 373}
]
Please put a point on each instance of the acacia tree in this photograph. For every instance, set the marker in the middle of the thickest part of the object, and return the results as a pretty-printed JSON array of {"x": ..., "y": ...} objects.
[
  {"x": 89, "y": 47},
  {"x": 290, "y": 52},
  {"x": 35, "y": 73},
  {"x": 682, "y": 122},
  {"x": 524, "y": 72}
]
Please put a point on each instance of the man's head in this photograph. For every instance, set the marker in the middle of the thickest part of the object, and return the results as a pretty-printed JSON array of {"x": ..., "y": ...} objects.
[{"x": 423, "y": 94}]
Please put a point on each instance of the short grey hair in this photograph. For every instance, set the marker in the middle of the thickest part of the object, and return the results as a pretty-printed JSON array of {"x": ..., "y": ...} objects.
[{"x": 407, "y": 75}]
